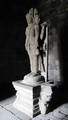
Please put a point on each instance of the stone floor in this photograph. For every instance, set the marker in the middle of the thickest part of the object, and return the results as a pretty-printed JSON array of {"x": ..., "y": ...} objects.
[{"x": 8, "y": 112}]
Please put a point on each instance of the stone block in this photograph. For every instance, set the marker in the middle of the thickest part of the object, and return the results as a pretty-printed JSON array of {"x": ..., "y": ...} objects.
[
  {"x": 30, "y": 96},
  {"x": 27, "y": 98}
]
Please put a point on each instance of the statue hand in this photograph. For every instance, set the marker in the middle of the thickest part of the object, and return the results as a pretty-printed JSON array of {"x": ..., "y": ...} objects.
[{"x": 37, "y": 52}]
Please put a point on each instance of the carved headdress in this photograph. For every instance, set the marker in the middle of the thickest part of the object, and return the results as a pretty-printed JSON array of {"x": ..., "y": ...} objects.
[
  {"x": 36, "y": 12},
  {"x": 31, "y": 11},
  {"x": 36, "y": 16},
  {"x": 29, "y": 16}
]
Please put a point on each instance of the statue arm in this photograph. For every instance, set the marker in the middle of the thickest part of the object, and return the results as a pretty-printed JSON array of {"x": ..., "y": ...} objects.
[
  {"x": 27, "y": 39},
  {"x": 42, "y": 32},
  {"x": 43, "y": 29},
  {"x": 36, "y": 36},
  {"x": 43, "y": 35}
]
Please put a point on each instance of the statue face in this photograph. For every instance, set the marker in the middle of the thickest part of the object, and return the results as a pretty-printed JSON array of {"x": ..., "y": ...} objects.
[
  {"x": 31, "y": 11},
  {"x": 32, "y": 16},
  {"x": 36, "y": 19},
  {"x": 29, "y": 18}
]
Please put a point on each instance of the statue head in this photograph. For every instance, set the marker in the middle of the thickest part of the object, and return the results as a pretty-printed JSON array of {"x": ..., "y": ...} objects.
[
  {"x": 31, "y": 11},
  {"x": 36, "y": 16},
  {"x": 35, "y": 12},
  {"x": 33, "y": 16},
  {"x": 29, "y": 16}
]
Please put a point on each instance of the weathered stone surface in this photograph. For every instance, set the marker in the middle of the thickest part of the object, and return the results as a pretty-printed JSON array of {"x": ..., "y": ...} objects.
[
  {"x": 32, "y": 99},
  {"x": 8, "y": 113},
  {"x": 35, "y": 41}
]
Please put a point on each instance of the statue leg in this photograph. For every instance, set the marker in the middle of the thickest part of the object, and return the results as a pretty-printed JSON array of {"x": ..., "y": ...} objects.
[
  {"x": 39, "y": 63},
  {"x": 34, "y": 63}
]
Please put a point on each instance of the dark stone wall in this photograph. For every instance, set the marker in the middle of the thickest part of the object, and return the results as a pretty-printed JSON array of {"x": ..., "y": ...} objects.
[
  {"x": 13, "y": 65},
  {"x": 12, "y": 38},
  {"x": 56, "y": 14}
]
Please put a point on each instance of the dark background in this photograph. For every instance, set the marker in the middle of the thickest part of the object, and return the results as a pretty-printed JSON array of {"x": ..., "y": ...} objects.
[
  {"x": 14, "y": 61},
  {"x": 13, "y": 65}
]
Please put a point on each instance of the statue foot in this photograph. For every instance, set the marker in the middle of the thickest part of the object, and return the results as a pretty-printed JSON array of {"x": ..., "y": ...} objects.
[{"x": 33, "y": 78}]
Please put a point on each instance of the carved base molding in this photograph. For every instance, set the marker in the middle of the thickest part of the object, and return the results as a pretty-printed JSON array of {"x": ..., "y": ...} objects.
[{"x": 32, "y": 99}]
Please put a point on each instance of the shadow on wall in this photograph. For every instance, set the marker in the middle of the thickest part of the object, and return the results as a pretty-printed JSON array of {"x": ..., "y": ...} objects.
[
  {"x": 59, "y": 97},
  {"x": 53, "y": 59},
  {"x": 60, "y": 94}
]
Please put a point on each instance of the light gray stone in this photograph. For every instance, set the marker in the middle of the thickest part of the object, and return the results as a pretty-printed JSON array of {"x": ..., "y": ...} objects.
[
  {"x": 46, "y": 117},
  {"x": 56, "y": 113},
  {"x": 29, "y": 96},
  {"x": 33, "y": 37},
  {"x": 25, "y": 103},
  {"x": 5, "y": 115},
  {"x": 22, "y": 116},
  {"x": 64, "y": 109},
  {"x": 11, "y": 109},
  {"x": 2, "y": 109}
]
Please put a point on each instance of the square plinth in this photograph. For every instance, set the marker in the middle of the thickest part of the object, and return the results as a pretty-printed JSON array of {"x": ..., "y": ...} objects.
[
  {"x": 31, "y": 99},
  {"x": 27, "y": 98}
]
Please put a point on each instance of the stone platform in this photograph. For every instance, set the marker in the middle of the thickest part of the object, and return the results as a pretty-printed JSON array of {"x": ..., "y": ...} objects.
[
  {"x": 32, "y": 99},
  {"x": 27, "y": 98},
  {"x": 8, "y": 112}
]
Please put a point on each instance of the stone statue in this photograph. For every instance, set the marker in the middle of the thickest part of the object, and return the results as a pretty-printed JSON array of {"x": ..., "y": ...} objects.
[
  {"x": 32, "y": 35},
  {"x": 33, "y": 94},
  {"x": 35, "y": 41}
]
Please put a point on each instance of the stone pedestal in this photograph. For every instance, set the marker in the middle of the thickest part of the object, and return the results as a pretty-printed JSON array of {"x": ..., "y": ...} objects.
[
  {"x": 32, "y": 95},
  {"x": 27, "y": 100}
]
